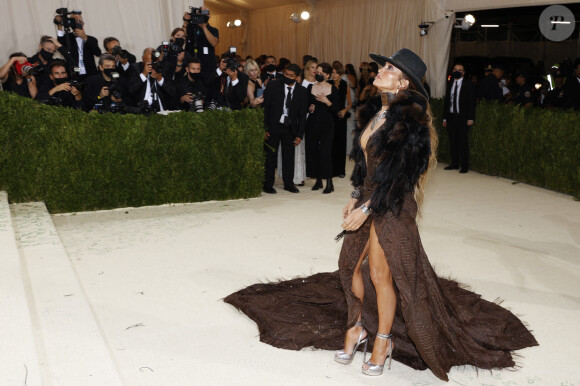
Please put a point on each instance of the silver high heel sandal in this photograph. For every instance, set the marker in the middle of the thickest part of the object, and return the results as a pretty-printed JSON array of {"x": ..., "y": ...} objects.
[
  {"x": 346, "y": 359},
  {"x": 378, "y": 369}
]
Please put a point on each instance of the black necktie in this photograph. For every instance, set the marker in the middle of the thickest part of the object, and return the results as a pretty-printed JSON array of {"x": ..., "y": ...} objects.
[
  {"x": 288, "y": 99},
  {"x": 454, "y": 95}
]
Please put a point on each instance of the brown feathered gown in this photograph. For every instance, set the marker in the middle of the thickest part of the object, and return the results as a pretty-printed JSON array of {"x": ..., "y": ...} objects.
[{"x": 438, "y": 324}]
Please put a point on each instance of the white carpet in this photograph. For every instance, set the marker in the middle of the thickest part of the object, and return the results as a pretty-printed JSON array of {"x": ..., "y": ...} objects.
[{"x": 155, "y": 278}]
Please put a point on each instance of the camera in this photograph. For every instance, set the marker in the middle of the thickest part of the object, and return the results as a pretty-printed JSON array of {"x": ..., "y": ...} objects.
[
  {"x": 68, "y": 22},
  {"x": 196, "y": 105},
  {"x": 170, "y": 49},
  {"x": 75, "y": 79},
  {"x": 117, "y": 50},
  {"x": 114, "y": 89},
  {"x": 198, "y": 16},
  {"x": 24, "y": 69}
]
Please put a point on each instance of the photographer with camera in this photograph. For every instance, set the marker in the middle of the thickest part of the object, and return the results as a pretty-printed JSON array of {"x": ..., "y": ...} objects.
[
  {"x": 47, "y": 47},
  {"x": 106, "y": 89},
  {"x": 82, "y": 47},
  {"x": 60, "y": 91},
  {"x": 17, "y": 75},
  {"x": 148, "y": 85},
  {"x": 228, "y": 86},
  {"x": 123, "y": 58},
  {"x": 190, "y": 88},
  {"x": 201, "y": 38}
]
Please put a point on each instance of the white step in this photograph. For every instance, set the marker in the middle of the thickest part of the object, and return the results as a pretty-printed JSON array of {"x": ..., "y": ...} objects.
[
  {"x": 18, "y": 359},
  {"x": 70, "y": 345}
]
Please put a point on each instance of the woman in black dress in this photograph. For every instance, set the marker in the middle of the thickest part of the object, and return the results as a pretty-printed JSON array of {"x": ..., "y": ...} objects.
[
  {"x": 323, "y": 99},
  {"x": 344, "y": 104}
]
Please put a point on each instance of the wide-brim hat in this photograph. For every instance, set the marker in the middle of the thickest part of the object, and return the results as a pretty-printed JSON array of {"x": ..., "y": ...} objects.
[{"x": 409, "y": 63}]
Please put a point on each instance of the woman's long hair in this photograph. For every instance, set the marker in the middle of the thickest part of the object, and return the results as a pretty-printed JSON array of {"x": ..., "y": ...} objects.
[{"x": 434, "y": 141}]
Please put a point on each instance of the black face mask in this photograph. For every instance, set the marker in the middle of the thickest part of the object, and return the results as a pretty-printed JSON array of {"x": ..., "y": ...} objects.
[
  {"x": 271, "y": 67},
  {"x": 360, "y": 69},
  {"x": 287, "y": 80},
  {"x": 319, "y": 78},
  {"x": 371, "y": 81},
  {"x": 46, "y": 55},
  {"x": 109, "y": 72},
  {"x": 457, "y": 74},
  {"x": 58, "y": 81},
  {"x": 179, "y": 41},
  {"x": 194, "y": 75}
]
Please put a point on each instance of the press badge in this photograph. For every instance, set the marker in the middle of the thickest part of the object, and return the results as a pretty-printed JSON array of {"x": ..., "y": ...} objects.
[{"x": 205, "y": 51}]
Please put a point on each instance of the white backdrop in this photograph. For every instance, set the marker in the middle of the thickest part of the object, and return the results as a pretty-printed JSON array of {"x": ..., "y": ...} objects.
[{"x": 136, "y": 23}]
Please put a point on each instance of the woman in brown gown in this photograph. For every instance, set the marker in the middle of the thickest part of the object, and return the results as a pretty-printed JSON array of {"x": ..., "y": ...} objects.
[{"x": 385, "y": 289}]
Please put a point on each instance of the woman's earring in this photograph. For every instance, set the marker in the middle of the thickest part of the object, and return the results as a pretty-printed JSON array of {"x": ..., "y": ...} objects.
[{"x": 396, "y": 92}]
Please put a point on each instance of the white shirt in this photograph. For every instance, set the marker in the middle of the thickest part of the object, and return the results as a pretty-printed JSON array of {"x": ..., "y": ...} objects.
[
  {"x": 148, "y": 95},
  {"x": 284, "y": 109},
  {"x": 457, "y": 83}
]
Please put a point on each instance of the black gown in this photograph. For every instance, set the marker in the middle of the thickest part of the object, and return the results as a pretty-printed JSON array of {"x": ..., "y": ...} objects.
[
  {"x": 438, "y": 323},
  {"x": 319, "y": 135}
]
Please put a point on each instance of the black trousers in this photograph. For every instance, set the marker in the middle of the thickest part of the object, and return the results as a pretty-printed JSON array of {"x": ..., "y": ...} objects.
[
  {"x": 458, "y": 140},
  {"x": 279, "y": 134},
  {"x": 319, "y": 139}
]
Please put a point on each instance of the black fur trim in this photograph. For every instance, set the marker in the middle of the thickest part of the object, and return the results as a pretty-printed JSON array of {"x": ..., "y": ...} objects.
[{"x": 403, "y": 144}]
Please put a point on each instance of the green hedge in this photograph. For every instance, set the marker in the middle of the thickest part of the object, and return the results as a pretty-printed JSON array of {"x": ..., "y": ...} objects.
[
  {"x": 76, "y": 161},
  {"x": 536, "y": 146}
]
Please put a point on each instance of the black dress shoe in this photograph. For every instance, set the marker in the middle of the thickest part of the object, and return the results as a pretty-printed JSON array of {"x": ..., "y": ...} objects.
[
  {"x": 292, "y": 189},
  {"x": 329, "y": 187},
  {"x": 463, "y": 170},
  {"x": 300, "y": 184},
  {"x": 341, "y": 176},
  {"x": 450, "y": 167},
  {"x": 269, "y": 190},
  {"x": 317, "y": 185}
]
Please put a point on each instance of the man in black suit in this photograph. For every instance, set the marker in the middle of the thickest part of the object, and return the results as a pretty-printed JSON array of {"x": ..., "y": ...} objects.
[
  {"x": 285, "y": 107},
  {"x": 458, "y": 116},
  {"x": 82, "y": 47},
  {"x": 227, "y": 86},
  {"x": 148, "y": 85}
]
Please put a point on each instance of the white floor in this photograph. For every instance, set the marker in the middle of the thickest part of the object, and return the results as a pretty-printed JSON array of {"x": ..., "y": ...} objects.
[{"x": 154, "y": 278}]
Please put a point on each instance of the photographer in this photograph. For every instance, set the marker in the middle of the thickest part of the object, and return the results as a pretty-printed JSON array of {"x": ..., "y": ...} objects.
[
  {"x": 47, "y": 47},
  {"x": 59, "y": 91},
  {"x": 103, "y": 89},
  {"x": 148, "y": 85},
  {"x": 16, "y": 76},
  {"x": 201, "y": 38},
  {"x": 190, "y": 88},
  {"x": 82, "y": 48},
  {"x": 123, "y": 58},
  {"x": 228, "y": 86}
]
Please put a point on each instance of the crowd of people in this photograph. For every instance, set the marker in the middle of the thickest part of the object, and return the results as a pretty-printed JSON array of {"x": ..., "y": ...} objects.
[{"x": 306, "y": 107}]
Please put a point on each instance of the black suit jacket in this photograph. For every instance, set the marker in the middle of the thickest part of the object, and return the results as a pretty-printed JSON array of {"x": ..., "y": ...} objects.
[
  {"x": 466, "y": 100},
  {"x": 274, "y": 99},
  {"x": 137, "y": 88},
  {"x": 90, "y": 50},
  {"x": 235, "y": 95}
]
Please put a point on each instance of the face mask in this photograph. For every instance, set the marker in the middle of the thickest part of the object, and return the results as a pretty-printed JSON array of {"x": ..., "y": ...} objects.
[
  {"x": 46, "y": 55},
  {"x": 179, "y": 41},
  {"x": 271, "y": 67},
  {"x": 109, "y": 72},
  {"x": 371, "y": 81},
  {"x": 360, "y": 69},
  {"x": 319, "y": 78},
  {"x": 457, "y": 74},
  {"x": 60, "y": 81},
  {"x": 194, "y": 75},
  {"x": 287, "y": 80}
]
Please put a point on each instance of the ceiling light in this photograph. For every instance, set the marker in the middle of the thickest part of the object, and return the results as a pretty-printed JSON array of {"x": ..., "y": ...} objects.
[
  {"x": 305, "y": 15},
  {"x": 490, "y": 25},
  {"x": 229, "y": 24},
  {"x": 237, "y": 22},
  {"x": 470, "y": 19}
]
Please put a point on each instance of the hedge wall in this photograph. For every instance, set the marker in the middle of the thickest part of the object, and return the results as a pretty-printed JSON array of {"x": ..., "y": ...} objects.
[
  {"x": 76, "y": 161},
  {"x": 536, "y": 146}
]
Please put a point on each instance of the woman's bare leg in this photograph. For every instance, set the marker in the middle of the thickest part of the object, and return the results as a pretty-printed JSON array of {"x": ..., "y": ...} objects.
[
  {"x": 358, "y": 288},
  {"x": 386, "y": 298}
]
